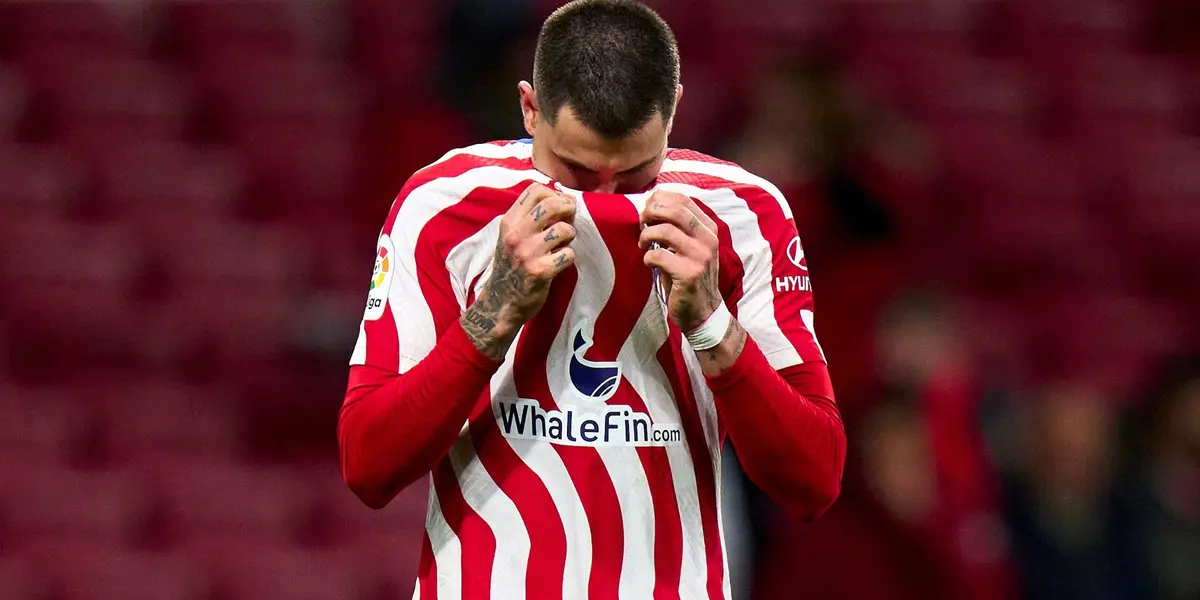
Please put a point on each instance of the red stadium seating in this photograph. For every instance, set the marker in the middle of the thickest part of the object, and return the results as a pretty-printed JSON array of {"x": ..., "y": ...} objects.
[
  {"x": 1112, "y": 340},
  {"x": 297, "y": 124},
  {"x": 150, "y": 183},
  {"x": 13, "y": 99},
  {"x": 249, "y": 571},
  {"x": 15, "y": 581},
  {"x": 210, "y": 504},
  {"x": 102, "y": 573},
  {"x": 45, "y": 502},
  {"x": 37, "y": 183},
  {"x": 98, "y": 102},
  {"x": 216, "y": 31},
  {"x": 52, "y": 32},
  {"x": 81, "y": 273},
  {"x": 41, "y": 425},
  {"x": 394, "y": 42},
  {"x": 170, "y": 421}
]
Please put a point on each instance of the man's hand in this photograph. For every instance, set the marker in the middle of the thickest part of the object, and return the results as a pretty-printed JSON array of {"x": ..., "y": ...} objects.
[
  {"x": 686, "y": 256},
  {"x": 531, "y": 251}
]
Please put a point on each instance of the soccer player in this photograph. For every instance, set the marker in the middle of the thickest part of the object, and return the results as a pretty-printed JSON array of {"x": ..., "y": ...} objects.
[{"x": 564, "y": 330}]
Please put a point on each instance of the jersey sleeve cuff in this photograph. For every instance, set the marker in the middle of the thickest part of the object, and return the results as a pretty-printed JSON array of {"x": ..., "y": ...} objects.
[
  {"x": 461, "y": 347},
  {"x": 751, "y": 360}
]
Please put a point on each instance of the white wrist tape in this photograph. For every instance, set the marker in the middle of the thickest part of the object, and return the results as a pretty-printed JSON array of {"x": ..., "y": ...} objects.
[{"x": 711, "y": 331}]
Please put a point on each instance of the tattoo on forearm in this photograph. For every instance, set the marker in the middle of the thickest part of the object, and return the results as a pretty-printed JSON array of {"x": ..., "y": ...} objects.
[
  {"x": 713, "y": 356},
  {"x": 480, "y": 329},
  {"x": 481, "y": 318}
]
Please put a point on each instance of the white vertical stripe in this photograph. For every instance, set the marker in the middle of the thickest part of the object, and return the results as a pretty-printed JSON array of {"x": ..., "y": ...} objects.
[
  {"x": 415, "y": 327},
  {"x": 447, "y": 550},
  {"x": 472, "y": 258},
  {"x": 707, "y": 407},
  {"x": 726, "y": 584},
  {"x": 756, "y": 309},
  {"x": 511, "y": 558},
  {"x": 705, "y": 403},
  {"x": 622, "y": 463},
  {"x": 548, "y": 466},
  {"x": 480, "y": 492},
  {"x": 807, "y": 316},
  {"x": 651, "y": 383},
  {"x": 417, "y": 589},
  {"x": 359, "y": 356}
]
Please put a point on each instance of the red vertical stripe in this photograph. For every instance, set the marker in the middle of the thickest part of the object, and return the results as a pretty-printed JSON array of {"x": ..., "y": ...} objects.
[
  {"x": 427, "y": 571},
  {"x": 618, "y": 222},
  {"x": 383, "y": 343}
]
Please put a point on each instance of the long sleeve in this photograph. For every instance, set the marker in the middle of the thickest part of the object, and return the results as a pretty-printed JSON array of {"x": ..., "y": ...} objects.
[
  {"x": 786, "y": 428},
  {"x": 393, "y": 428}
]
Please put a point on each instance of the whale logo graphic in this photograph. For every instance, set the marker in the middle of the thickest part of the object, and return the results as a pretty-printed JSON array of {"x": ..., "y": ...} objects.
[{"x": 594, "y": 379}]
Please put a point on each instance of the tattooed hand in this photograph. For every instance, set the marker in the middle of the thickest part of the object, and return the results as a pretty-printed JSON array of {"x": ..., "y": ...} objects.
[
  {"x": 532, "y": 250},
  {"x": 686, "y": 256}
]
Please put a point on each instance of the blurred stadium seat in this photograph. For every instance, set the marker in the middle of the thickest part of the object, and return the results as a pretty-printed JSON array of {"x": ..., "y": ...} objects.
[
  {"x": 37, "y": 184},
  {"x": 53, "y": 504}
]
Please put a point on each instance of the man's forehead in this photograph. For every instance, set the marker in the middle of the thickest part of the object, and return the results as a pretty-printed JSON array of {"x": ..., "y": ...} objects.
[{"x": 578, "y": 143}]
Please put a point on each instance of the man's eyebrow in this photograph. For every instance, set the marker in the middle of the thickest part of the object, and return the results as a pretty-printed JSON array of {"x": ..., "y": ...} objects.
[
  {"x": 641, "y": 166},
  {"x": 576, "y": 165},
  {"x": 573, "y": 164}
]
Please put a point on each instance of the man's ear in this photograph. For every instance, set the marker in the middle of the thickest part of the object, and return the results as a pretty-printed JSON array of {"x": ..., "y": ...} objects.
[
  {"x": 678, "y": 97},
  {"x": 529, "y": 106}
]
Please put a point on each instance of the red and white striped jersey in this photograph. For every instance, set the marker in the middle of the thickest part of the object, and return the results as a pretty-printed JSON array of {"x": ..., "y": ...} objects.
[{"x": 595, "y": 472}]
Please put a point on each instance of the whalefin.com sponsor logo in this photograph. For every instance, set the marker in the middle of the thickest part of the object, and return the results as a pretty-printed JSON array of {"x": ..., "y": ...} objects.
[{"x": 525, "y": 419}]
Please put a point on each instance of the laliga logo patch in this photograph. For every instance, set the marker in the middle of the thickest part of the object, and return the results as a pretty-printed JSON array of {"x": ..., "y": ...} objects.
[
  {"x": 597, "y": 380},
  {"x": 381, "y": 278}
]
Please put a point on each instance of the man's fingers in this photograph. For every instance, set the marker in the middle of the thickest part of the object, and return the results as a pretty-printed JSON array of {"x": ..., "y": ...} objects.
[
  {"x": 676, "y": 266},
  {"x": 666, "y": 207},
  {"x": 556, "y": 262},
  {"x": 556, "y": 207},
  {"x": 670, "y": 236},
  {"x": 705, "y": 220},
  {"x": 529, "y": 198},
  {"x": 557, "y": 235}
]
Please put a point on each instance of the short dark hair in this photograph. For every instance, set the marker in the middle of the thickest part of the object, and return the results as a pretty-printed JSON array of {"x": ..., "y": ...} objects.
[{"x": 614, "y": 62}]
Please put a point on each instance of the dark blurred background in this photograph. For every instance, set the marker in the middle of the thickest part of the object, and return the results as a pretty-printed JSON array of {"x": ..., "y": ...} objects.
[{"x": 1000, "y": 201}]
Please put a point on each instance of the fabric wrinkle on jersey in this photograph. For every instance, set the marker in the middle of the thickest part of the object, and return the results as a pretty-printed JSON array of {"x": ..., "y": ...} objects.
[{"x": 599, "y": 406}]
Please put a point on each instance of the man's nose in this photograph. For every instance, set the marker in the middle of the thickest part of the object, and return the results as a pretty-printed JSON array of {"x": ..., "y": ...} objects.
[{"x": 606, "y": 186}]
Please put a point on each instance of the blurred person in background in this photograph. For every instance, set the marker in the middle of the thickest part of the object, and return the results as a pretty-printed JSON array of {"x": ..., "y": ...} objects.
[
  {"x": 1164, "y": 481},
  {"x": 922, "y": 494},
  {"x": 1072, "y": 530},
  {"x": 849, "y": 166},
  {"x": 582, "y": 280}
]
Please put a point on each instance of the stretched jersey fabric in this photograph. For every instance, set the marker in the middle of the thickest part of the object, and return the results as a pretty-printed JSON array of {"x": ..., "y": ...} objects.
[{"x": 593, "y": 474}]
